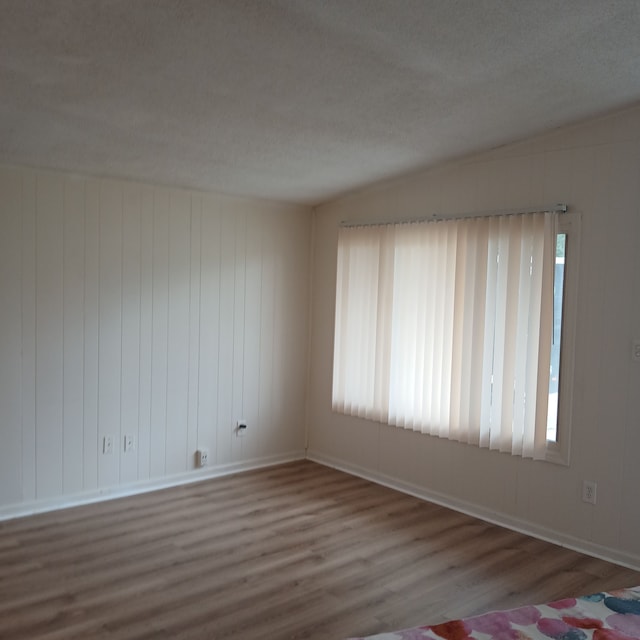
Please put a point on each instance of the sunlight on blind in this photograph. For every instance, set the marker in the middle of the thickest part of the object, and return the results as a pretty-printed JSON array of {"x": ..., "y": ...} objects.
[{"x": 445, "y": 328}]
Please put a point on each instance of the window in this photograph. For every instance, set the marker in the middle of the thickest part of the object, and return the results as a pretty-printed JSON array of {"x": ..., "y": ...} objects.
[
  {"x": 556, "y": 338},
  {"x": 452, "y": 328},
  {"x": 562, "y": 347}
]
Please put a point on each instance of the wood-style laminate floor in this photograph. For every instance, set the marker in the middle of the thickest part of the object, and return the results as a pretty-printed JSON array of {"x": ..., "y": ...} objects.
[{"x": 294, "y": 551}]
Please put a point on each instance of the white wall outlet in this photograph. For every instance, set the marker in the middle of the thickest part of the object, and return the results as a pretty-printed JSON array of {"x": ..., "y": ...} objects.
[
  {"x": 107, "y": 445},
  {"x": 635, "y": 350},
  {"x": 129, "y": 443},
  {"x": 589, "y": 489},
  {"x": 241, "y": 428},
  {"x": 202, "y": 457}
]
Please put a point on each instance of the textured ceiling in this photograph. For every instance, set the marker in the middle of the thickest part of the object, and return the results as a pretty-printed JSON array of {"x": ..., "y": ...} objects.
[{"x": 299, "y": 100}]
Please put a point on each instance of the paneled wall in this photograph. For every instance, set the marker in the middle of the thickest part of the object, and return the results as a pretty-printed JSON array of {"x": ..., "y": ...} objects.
[
  {"x": 162, "y": 314},
  {"x": 595, "y": 168}
]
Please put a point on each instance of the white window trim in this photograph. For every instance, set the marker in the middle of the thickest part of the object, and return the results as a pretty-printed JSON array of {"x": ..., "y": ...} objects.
[{"x": 558, "y": 451}]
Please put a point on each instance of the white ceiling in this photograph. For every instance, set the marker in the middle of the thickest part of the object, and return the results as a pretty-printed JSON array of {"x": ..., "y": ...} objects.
[{"x": 299, "y": 100}]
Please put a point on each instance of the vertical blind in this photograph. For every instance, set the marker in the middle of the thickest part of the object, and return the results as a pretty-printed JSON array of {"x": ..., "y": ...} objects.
[{"x": 445, "y": 328}]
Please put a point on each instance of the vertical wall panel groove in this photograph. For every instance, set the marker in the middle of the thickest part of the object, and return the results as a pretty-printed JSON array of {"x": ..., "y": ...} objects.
[
  {"x": 209, "y": 327},
  {"x": 146, "y": 331},
  {"x": 121, "y": 431},
  {"x": 131, "y": 297},
  {"x": 28, "y": 335},
  {"x": 49, "y": 337},
  {"x": 91, "y": 325},
  {"x": 239, "y": 327},
  {"x": 10, "y": 340},
  {"x": 159, "y": 314},
  {"x": 73, "y": 336},
  {"x": 110, "y": 330},
  {"x": 267, "y": 332},
  {"x": 226, "y": 341},
  {"x": 195, "y": 249},
  {"x": 250, "y": 447},
  {"x": 178, "y": 332}
]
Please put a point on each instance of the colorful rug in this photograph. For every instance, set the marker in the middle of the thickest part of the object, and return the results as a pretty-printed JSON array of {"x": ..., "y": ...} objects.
[{"x": 613, "y": 615}]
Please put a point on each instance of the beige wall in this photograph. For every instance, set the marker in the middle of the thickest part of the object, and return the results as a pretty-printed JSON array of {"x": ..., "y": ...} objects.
[
  {"x": 595, "y": 168},
  {"x": 161, "y": 313}
]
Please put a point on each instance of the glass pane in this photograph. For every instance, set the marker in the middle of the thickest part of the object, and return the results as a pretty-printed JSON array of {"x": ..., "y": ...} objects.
[{"x": 554, "y": 377}]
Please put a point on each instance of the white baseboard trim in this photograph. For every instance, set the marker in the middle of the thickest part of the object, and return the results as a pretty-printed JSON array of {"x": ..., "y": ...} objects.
[
  {"x": 488, "y": 515},
  {"x": 144, "y": 486}
]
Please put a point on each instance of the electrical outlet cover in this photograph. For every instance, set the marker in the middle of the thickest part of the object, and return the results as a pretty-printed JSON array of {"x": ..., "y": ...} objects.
[
  {"x": 129, "y": 443},
  {"x": 107, "y": 445},
  {"x": 202, "y": 457},
  {"x": 589, "y": 489}
]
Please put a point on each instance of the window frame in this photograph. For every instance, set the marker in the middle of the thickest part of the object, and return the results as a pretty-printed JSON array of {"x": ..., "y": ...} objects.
[{"x": 558, "y": 450}]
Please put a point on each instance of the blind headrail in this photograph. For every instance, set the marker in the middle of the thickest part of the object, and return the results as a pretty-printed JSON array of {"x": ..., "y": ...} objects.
[{"x": 549, "y": 208}]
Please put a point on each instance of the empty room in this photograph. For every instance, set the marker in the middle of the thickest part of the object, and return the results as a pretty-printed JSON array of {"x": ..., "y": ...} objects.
[{"x": 319, "y": 319}]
